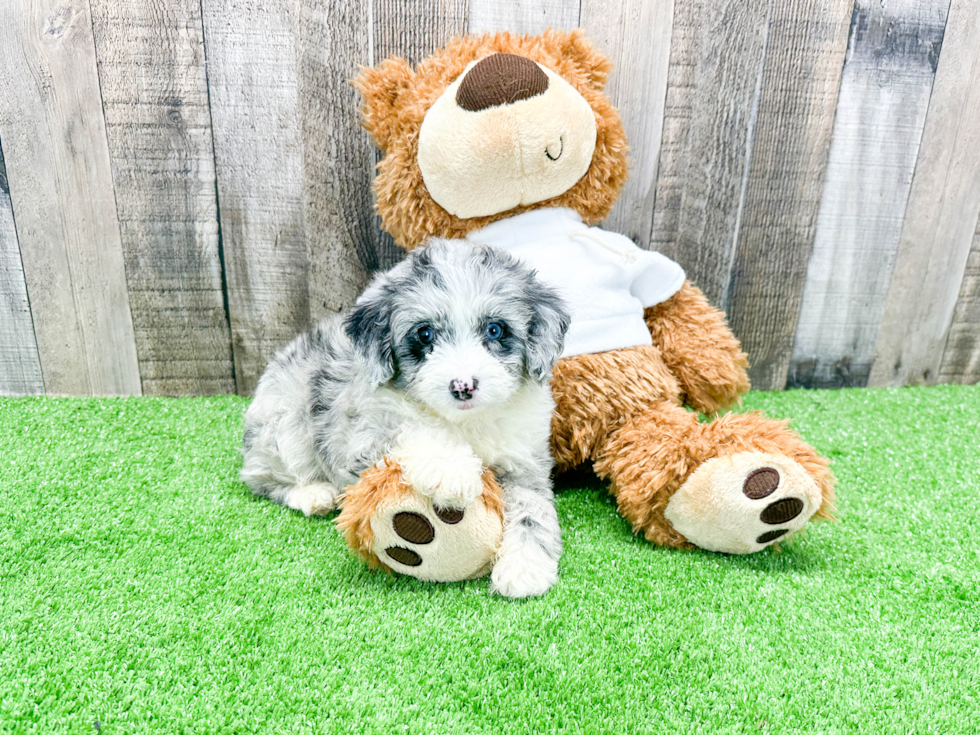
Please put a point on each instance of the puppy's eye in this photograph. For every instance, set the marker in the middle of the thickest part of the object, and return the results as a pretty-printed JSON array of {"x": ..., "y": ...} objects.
[
  {"x": 493, "y": 332},
  {"x": 426, "y": 335}
]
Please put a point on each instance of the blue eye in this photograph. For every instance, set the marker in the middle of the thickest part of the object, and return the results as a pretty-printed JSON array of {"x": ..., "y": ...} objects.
[
  {"x": 493, "y": 332},
  {"x": 426, "y": 335}
]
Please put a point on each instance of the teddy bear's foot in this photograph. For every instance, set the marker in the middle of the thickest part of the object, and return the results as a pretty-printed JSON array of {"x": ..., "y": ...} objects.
[
  {"x": 422, "y": 540},
  {"x": 734, "y": 484},
  {"x": 741, "y": 503},
  {"x": 388, "y": 523}
]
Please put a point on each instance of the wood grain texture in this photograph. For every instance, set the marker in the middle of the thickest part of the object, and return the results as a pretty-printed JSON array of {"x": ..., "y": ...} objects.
[
  {"x": 523, "y": 16},
  {"x": 155, "y": 97},
  {"x": 715, "y": 76},
  {"x": 961, "y": 357},
  {"x": 884, "y": 95},
  {"x": 804, "y": 57},
  {"x": 338, "y": 157},
  {"x": 412, "y": 30},
  {"x": 20, "y": 366},
  {"x": 252, "y": 82},
  {"x": 57, "y": 161},
  {"x": 940, "y": 218},
  {"x": 635, "y": 34}
]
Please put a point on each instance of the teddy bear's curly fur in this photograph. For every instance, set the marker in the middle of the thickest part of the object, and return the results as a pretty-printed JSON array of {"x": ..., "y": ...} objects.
[{"x": 623, "y": 410}]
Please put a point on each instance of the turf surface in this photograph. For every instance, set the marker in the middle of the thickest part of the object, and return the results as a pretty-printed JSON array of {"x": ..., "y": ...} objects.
[{"x": 142, "y": 589}]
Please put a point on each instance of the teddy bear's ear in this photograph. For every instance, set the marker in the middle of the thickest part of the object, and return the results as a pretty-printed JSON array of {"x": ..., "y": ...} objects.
[
  {"x": 380, "y": 86},
  {"x": 586, "y": 60}
]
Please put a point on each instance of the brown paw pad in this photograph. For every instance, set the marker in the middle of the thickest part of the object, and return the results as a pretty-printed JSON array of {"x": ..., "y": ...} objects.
[
  {"x": 414, "y": 528},
  {"x": 450, "y": 516},
  {"x": 771, "y": 536},
  {"x": 781, "y": 511},
  {"x": 404, "y": 556},
  {"x": 761, "y": 483}
]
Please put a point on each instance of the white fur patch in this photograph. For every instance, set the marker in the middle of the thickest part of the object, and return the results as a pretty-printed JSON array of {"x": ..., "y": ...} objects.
[
  {"x": 523, "y": 570},
  {"x": 439, "y": 466},
  {"x": 468, "y": 360},
  {"x": 315, "y": 499}
]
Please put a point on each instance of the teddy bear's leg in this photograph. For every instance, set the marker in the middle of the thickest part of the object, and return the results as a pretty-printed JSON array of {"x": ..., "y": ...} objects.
[
  {"x": 388, "y": 523},
  {"x": 734, "y": 485}
]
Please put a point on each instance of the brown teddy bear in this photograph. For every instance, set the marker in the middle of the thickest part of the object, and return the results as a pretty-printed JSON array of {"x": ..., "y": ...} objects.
[{"x": 509, "y": 141}]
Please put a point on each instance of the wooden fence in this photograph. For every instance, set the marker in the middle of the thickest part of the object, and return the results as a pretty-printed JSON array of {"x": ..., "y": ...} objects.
[{"x": 186, "y": 185}]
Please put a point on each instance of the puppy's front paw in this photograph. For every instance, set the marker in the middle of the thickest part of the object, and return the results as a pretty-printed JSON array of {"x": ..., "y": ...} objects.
[
  {"x": 523, "y": 570},
  {"x": 458, "y": 486},
  {"x": 453, "y": 479},
  {"x": 315, "y": 499}
]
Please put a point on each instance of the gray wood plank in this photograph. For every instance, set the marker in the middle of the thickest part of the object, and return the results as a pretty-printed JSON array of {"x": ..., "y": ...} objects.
[
  {"x": 344, "y": 235},
  {"x": 884, "y": 95},
  {"x": 57, "y": 158},
  {"x": 155, "y": 97},
  {"x": 523, "y": 16},
  {"x": 20, "y": 366},
  {"x": 961, "y": 357},
  {"x": 338, "y": 156},
  {"x": 940, "y": 218},
  {"x": 412, "y": 30},
  {"x": 715, "y": 76},
  {"x": 635, "y": 34},
  {"x": 252, "y": 82},
  {"x": 804, "y": 56}
]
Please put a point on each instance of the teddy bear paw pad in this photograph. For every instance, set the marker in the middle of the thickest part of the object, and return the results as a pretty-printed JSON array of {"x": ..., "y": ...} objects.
[
  {"x": 729, "y": 504},
  {"x": 434, "y": 543}
]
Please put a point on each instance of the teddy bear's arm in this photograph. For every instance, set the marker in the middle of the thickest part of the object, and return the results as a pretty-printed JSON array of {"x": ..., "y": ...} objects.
[{"x": 699, "y": 348}]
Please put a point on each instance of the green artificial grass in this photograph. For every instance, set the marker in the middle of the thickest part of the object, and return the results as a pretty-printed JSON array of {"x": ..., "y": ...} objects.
[{"x": 143, "y": 589}]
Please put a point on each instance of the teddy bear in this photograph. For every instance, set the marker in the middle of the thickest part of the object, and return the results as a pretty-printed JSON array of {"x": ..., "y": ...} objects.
[{"x": 509, "y": 141}]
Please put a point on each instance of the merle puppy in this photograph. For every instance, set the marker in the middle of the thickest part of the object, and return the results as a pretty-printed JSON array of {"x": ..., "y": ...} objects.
[{"x": 444, "y": 366}]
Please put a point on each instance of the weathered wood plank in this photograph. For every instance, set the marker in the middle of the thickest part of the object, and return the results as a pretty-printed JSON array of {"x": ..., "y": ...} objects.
[
  {"x": 252, "y": 80},
  {"x": 344, "y": 235},
  {"x": 635, "y": 34},
  {"x": 523, "y": 16},
  {"x": 54, "y": 137},
  {"x": 20, "y": 366},
  {"x": 338, "y": 157},
  {"x": 804, "y": 57},
  {"x": 715, "y": 76},
  {"x": 411, "y": 29},
  {"x": 155, "y": 97},
  {"x": 884, "y": 95},
  {"x": 940, "y": 218},
  {"x": 961, "y": 358}
]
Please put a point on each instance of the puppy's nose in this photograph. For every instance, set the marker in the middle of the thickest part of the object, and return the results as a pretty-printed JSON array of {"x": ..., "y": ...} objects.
[
  {"x": 463, "y": 390},
  {"x": 500, "y": 79}
]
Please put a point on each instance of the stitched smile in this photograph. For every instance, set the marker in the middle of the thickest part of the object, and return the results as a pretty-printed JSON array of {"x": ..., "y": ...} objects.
[{"x": 561, "y": 142}]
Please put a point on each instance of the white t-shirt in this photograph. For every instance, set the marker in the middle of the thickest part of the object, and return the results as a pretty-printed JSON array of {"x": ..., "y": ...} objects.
[{"x": 605, "y": 279}]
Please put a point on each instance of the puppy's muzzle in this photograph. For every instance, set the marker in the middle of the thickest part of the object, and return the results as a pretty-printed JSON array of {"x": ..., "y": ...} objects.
[{"x": 463, "y": 390}]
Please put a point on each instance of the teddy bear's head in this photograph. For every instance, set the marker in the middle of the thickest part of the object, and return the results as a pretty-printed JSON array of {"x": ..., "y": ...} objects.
[{"x": 491, "y": 126}]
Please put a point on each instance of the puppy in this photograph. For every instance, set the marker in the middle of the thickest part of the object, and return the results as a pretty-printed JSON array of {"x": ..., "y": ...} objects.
[{"x": 443, "y": 366}]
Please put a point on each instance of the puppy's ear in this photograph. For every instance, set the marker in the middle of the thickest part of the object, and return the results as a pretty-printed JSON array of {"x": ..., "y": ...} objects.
[
  {"x": 369, "y": 328},
  {"x": 380, "y": 87},
  {"x": 546, "y": 332}
]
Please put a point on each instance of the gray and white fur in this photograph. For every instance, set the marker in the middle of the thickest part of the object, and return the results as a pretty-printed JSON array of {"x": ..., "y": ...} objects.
[{"x": 443, "y": 365}]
